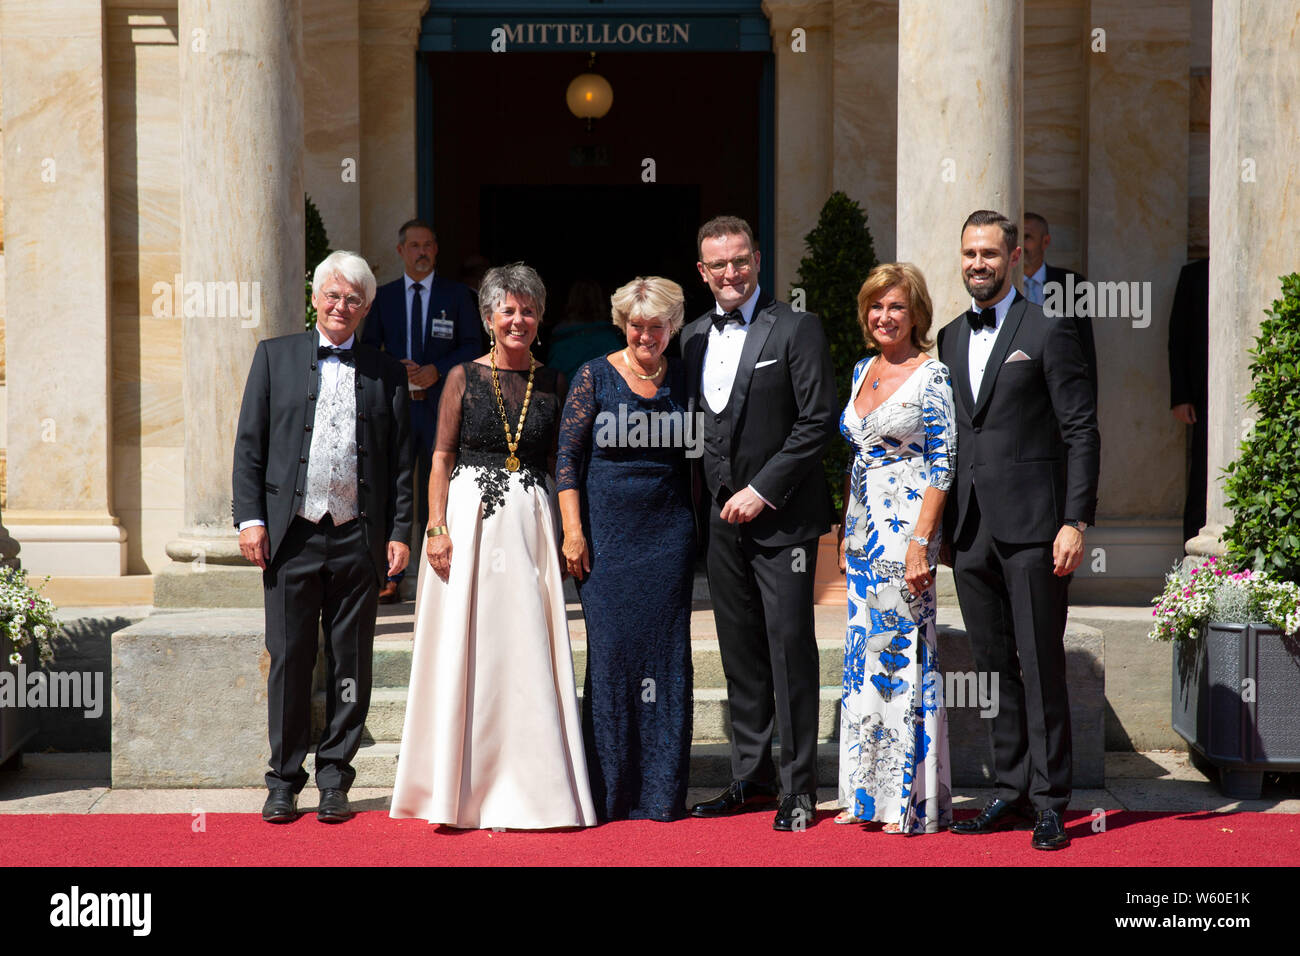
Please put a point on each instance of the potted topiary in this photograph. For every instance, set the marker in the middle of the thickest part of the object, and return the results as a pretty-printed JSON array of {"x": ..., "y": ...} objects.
[
  {"x": 840, "y": 254},
  {"x": 1235, "y": 623},
  {"x": 27, "y": 626}
]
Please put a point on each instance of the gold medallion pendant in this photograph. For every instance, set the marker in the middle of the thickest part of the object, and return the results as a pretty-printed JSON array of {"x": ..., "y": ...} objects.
[{"x": 512, "y": 442}]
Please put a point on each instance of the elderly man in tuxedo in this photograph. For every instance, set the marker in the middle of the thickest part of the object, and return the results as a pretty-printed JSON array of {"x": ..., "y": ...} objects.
[
  {"x": 1026, "y": 491},
  {"x": 322, "y": 499},
  {"x": 762, "y": 382},
  {"x": 431, "y": 323}
]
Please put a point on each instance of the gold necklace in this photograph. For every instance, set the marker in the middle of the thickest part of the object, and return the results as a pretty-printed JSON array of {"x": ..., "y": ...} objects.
[
  {"x": 645, "y": 378},
  {"x": 512, "y": 463}
]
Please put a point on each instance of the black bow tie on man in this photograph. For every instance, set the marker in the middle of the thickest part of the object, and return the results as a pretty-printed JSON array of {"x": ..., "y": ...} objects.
[
  {"x": 720, "y": 319},
  {"x": 985, "y": 319},
  {"x": 325, "y": 351}
]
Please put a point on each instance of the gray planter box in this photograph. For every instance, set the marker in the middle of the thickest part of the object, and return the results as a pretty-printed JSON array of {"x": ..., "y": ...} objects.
[
  {"x": 17, "y": 724},
  {"x": 1236, "y": 701}
]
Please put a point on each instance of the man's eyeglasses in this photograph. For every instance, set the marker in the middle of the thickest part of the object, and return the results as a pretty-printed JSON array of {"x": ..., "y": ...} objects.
[
  {"x": 740, "y": 264},
  {"x": 352, "y": 300}
]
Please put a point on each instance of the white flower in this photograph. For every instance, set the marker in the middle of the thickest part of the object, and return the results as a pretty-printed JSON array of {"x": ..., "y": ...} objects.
[{"x": 15, "y": 658}]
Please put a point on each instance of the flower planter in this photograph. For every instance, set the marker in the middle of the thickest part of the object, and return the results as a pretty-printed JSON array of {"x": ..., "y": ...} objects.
[
  {"x": 1236, "y": 701},
  {"x": 17, "y": 724}
]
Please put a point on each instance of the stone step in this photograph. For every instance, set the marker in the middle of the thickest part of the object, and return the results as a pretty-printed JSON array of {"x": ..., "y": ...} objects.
[
  {"x": 392, "y": 661},
  {"x": 712, "y": 716}
]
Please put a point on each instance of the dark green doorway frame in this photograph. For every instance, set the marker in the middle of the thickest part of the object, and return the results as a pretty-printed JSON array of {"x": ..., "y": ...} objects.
[{"x": 716, "y": 26}]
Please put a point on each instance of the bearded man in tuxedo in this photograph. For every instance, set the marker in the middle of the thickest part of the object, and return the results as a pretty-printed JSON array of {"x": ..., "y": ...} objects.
[
  {"x": 1027, "y": 469},
  {"x": 322, "y": 500}
]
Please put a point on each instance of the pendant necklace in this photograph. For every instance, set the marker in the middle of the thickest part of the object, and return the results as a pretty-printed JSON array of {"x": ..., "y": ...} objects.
[{"x": 512, "y": 462}]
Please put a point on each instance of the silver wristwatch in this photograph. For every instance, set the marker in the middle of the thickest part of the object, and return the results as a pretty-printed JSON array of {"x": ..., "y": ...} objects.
[{"x": 923, "y": 542}]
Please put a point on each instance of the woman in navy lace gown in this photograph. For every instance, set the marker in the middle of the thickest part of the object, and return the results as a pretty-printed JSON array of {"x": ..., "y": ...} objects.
[{"x": 629, "y": 540}]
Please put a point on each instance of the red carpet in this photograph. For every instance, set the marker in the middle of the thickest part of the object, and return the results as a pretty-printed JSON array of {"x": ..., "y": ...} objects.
[{"x": 372, "y": 839}]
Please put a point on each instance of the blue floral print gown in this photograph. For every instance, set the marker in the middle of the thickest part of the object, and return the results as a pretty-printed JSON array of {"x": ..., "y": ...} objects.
[{"x": 893, "y": 729}]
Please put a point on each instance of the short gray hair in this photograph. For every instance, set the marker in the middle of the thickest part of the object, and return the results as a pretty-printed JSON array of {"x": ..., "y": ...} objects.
[
  {"x": 516, "y": 279},
  {"x": 349, "y": 267}
]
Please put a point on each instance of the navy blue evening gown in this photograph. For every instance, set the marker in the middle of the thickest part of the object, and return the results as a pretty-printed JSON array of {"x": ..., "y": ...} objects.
[{"x": 637, "y": 699}]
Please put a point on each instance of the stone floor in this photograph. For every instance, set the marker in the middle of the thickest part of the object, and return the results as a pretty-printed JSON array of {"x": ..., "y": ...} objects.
[{"x": 1161, "y": 781}]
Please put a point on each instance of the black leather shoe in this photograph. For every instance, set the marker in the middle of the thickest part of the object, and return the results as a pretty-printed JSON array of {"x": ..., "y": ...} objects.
[
  {"x": 998, "y": 815},
  {"x": 796, "y": 813},
  {"x": 281, "y": 806},
  {"x": 1049, "y": 832},
  {"x": 333, "y": 807},
  {"x": 740, "y": 797}
]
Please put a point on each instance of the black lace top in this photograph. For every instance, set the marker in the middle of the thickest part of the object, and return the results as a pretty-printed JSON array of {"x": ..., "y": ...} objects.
[{"x": 469, "y": 424}]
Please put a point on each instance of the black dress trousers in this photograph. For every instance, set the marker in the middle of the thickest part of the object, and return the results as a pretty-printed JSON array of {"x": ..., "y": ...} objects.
[{"x": 322, "y": 574}]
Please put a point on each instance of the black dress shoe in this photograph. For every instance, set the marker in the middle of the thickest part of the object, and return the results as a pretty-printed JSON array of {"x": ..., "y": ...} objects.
[
  {"x": 1049, "y": 832},
  {"x": 281, "y": 806},
  {"x": 333, "y": 807},
  {"x": 740, "y": 797},
  {"x": 998, "y": 815},
  {"x": 796, "y": 813}
]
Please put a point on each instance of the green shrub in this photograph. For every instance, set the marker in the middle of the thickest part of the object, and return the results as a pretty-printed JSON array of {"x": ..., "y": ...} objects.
[
  {"x": 840, "y": 254},
  {"x": 318, "y": 247},
  {"x": 1263, "y": 484}
]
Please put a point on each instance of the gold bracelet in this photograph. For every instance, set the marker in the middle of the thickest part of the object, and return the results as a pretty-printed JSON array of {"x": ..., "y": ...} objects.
[{"x": 435, "y": 531}]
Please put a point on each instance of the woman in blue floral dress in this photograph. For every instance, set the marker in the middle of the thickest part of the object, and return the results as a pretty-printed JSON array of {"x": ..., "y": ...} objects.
[{"x": 899, "y": 420}]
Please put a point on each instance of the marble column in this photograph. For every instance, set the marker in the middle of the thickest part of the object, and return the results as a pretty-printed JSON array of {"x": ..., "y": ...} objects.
[
  {"x": 331, "y": 44},
  {"x": 57, "y": 289},
  {"x": 390, "y": 32},
  {"x": 803, "y": 44},
  {"x": 1254, "y": 205},
  {"x": 866, "y": 112},
  {"x": 960, "y": 129},
  {"x": 1136, "y": 235},
  {"x": 242, "y": 233}
]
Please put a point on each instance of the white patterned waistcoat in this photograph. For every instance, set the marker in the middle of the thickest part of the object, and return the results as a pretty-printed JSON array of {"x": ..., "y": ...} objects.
[{"x": 332, "y": 461}]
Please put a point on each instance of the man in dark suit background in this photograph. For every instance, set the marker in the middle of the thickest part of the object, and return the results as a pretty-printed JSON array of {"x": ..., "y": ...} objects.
[
  {"x": 432, "y": 324},
  {"x": 1189, "y": 371},
  {"x": 1038, "y": 236},
  {"x": 1028, "y": 455},
  {"x": 762, "y": 382},
  {"x": 322, "y": 500}
]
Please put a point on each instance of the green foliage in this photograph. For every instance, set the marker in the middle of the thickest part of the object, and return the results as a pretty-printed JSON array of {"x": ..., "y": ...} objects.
[
  {"x": 318, "y": 247},
  {"x": 840, "y": 254},
  {"x": 1263, "y": 484}
]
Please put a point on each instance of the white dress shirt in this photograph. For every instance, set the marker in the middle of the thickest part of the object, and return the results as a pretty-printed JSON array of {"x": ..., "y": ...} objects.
[
  {"x": 329, "y": 373},
  {"x": 722, "y": 355},
  {"x": 722, "y": 359},
  {"x": 981, "y": 342}
]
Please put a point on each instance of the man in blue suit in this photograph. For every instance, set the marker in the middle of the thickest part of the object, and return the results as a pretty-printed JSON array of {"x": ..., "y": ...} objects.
[{"x": 432, "y": 324}]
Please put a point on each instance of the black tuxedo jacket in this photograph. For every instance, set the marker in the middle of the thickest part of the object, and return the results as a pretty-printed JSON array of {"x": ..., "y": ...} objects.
[
  {"x": 1082, "y": 323},
  {"x": 782, "y": 416},
  {"x": 1028, "y": 441},
  {"x": 273, "y": 441}
]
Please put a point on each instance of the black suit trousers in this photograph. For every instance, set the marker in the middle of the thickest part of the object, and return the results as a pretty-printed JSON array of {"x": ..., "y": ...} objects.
[
  {"x": 324, "y": 574},
  {"x": 763, "y": 608},
  {"x": 1015, "y": 609}
]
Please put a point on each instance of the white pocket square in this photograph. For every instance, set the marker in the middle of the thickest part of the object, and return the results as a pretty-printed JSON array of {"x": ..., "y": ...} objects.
[
  {"x": 758, "y": 365},
  {"x": 1016, "y": 356}
]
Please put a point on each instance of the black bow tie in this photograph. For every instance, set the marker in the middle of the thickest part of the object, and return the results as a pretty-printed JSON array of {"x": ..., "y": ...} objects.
[
  {"x": 987, "y": 319},
  {"x": 325, "y": 351},
  {"x": 720, "y": 320}
]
